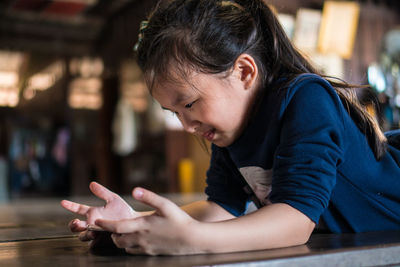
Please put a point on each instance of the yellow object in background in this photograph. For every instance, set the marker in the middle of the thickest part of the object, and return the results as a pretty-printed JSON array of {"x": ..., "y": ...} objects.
[
  {"x": 338, "y": 28},
  {"x": 186, "y": 175}
]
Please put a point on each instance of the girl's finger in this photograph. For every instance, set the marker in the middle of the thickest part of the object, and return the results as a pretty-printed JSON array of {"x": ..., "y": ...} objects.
[
  {"x": 122, "y": 226},
  {"x": 101, "y": 192},
  {"x": 163, "y": 205},
  {"x": 87, "y": 236},
  {"x": 75, "y": 207},
  {"x": 77, "y": 225},
  {"x": 125, "y": 241},
  {"x": 136, "y": 250}
]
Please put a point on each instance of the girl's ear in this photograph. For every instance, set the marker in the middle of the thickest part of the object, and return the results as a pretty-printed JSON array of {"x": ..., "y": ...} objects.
[{"x": 246, "y": 70}]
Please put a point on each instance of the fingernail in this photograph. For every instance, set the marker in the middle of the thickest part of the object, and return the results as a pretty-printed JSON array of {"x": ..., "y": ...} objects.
[{"x": 138, "y": 193}]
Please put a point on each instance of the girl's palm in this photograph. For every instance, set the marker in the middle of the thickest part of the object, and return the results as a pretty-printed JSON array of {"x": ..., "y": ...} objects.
[{"x": 115, "y": 208}]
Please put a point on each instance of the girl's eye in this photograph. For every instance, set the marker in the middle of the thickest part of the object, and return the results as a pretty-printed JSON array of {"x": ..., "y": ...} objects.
[{"x": 189, "y": 105}]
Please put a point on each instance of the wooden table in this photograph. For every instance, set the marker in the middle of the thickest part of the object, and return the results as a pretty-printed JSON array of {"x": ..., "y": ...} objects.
[{"x": 35, "y": 233}]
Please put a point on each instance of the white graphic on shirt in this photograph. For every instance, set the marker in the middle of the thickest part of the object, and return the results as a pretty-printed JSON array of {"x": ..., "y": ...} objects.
[{"x": 259, "y": 180}]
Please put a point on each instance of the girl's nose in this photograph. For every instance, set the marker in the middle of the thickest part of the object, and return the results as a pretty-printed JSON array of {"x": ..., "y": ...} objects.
[{"x": 189, "y": 124}]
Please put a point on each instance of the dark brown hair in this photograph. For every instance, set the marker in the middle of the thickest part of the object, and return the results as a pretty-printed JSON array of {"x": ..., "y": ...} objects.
[{"x": 207, "y": 36}]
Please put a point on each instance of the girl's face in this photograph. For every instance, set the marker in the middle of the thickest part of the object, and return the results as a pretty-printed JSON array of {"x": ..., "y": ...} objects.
[{"x": 210, "y": 106}]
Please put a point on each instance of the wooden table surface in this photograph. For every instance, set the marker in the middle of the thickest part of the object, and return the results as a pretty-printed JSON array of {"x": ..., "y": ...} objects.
[{"x": 35, "y": 233}]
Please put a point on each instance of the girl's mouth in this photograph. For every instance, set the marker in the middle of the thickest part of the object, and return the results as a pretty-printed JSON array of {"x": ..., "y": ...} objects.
[{"x": 209, "y": 135}]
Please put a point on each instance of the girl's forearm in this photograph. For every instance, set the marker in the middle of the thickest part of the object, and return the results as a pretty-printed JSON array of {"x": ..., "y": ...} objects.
[
  {"x": 207, "y": 211},
  {"x": 203, "y": 211},
  {"x": 273, "y": 226}
]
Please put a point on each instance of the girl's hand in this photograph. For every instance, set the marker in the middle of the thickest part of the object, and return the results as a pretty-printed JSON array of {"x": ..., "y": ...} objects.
[
  {"x": 115, "y": 208},
  {"x": 167, "y": 231}
]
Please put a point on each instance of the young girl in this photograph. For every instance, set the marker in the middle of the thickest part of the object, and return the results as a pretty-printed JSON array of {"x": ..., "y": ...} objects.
[{"x": 297, "y": 145}]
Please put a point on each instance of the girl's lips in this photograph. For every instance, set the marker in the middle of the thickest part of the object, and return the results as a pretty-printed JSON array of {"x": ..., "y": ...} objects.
[{"x": 209, "y": 135}]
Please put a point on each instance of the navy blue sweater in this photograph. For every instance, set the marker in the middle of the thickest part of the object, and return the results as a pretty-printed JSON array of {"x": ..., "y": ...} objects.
[{"x": 303, "y": 149}]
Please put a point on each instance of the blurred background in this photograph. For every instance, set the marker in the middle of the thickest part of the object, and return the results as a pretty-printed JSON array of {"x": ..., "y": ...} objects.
[{"x": 74, "y": 108}]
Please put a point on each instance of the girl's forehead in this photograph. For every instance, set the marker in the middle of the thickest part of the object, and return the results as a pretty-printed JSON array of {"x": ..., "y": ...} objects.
[
  {"x": 174, "y": 92},
  {"x": 175, "y": 84},
  {"x": 182, "y": 88}
]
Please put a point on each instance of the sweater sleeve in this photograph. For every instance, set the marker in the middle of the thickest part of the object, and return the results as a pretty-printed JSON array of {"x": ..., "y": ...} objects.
[
  {"x": 224, "y": 183},
  {"x": 310, "y": 149}
]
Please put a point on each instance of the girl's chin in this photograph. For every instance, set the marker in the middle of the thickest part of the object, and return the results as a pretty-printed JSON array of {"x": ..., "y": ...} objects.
[{"x": 222, "y": 142}]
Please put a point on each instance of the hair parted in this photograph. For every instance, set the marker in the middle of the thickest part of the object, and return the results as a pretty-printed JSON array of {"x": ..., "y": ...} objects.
[{"x": 207, "y": 36}]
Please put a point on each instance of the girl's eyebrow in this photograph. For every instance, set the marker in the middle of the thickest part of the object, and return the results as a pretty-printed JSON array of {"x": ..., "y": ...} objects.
[{"x": 179, "y": 99}]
